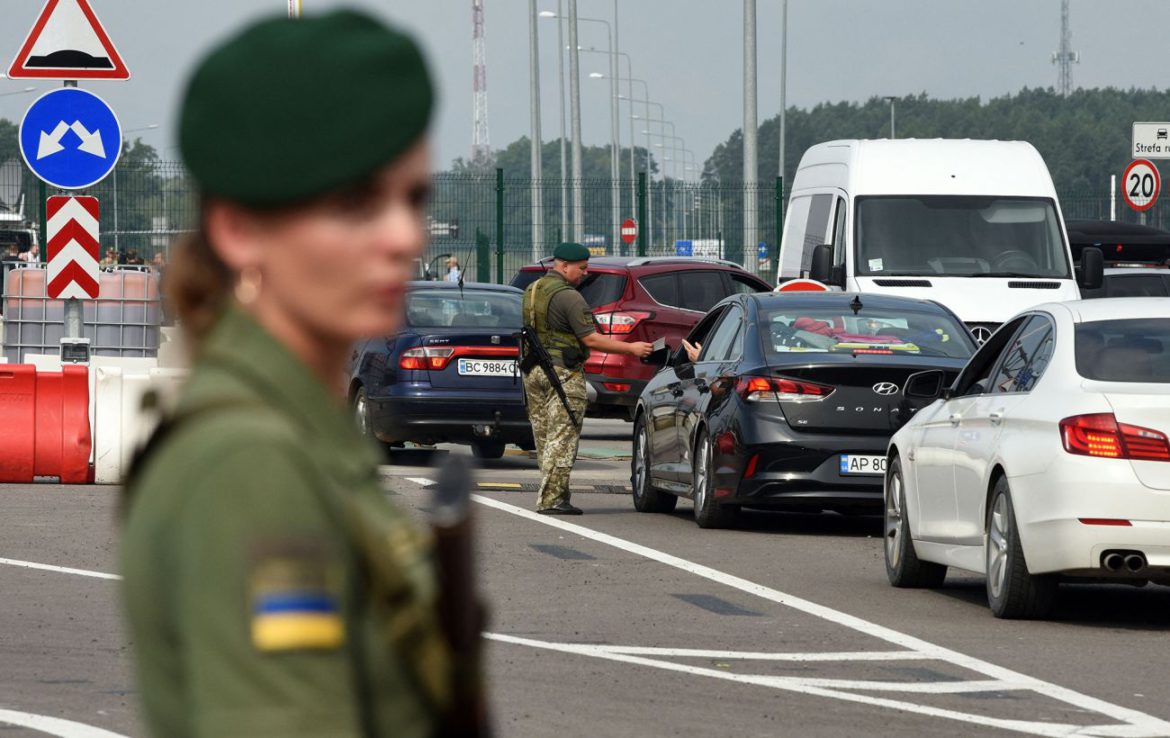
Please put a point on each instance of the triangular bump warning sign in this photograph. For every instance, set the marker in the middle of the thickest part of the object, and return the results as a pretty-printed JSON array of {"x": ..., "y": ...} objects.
[{"x": 68, "y": 42}]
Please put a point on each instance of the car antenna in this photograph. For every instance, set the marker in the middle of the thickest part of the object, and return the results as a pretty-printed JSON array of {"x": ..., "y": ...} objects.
[{"x": 856, "y": 304}]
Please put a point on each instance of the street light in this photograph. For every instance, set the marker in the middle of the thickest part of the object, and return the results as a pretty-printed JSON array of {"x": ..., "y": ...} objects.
[
  {"x": 891, "y": 100},
  {"x": 561, "y": 87},
  {"x": 18, "y": 92},
  {"x": 122, "y": 143},
  {"x": 614, "y": 134}
]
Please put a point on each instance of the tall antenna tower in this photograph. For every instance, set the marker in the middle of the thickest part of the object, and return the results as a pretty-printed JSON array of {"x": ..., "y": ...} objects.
[
  {"x": 1066, "y": 57},
  {"x": 481, "y": 144}
]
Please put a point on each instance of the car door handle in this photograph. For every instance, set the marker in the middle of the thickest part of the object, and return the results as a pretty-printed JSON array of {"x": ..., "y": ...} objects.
[
  {"x": 996, "y": 417},
  {"x": 955, "y": 418}
]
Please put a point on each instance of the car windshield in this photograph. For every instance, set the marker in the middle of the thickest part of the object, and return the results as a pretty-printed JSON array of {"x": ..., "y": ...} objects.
[
  {"x": 789, "y": 330},
  {"x": 1134, "y": 350},
  {"x": 959, "y": 236},
  {"x": 471, "y": 309}
]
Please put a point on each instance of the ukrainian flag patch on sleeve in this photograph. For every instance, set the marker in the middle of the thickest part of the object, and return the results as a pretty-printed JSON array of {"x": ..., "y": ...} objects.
[{"x": 295, "y": 599}]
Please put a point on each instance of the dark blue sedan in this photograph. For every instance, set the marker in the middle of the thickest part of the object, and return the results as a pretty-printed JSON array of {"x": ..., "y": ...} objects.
[{"x": 449, "y": 376}]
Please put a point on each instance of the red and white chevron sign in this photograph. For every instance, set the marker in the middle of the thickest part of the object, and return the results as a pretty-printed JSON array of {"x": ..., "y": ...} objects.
[{"x": 72, "y": 235}]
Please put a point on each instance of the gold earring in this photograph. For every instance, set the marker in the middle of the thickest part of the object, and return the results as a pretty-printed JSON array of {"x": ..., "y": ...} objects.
[{"x": 248, "y": 286}]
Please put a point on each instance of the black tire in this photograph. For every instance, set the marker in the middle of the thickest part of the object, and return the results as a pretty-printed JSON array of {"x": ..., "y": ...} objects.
[
  {"x": 1012, "y": 592},
  {"x": 647, "y": 499},
  {"x": 488, "y": 449},
  {"x": 709, "y": 513},
  {"x": 361, "y": 416},
  {"x": 903, "y": 567}
]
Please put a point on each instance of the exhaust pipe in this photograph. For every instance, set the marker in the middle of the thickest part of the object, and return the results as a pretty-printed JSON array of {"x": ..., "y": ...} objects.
[
  {"x": 1113, "y": 561},
  {"x": 1135, "y": 562}
]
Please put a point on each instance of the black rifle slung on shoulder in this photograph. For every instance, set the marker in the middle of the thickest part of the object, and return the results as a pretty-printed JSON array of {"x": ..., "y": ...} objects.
[{"x": 534, "y": 354}]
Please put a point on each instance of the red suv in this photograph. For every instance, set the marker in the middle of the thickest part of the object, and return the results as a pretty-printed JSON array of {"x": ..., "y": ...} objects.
[{"x": 644, "y": 299}]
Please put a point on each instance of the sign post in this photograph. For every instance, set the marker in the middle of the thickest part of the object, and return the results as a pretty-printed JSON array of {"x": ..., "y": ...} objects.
[{"x": 71, "y": 140}]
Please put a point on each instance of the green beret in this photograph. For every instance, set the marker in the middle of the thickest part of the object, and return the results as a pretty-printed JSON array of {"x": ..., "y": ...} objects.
[
  {"x": 293, "y": 108},
  {"x": 571, "y": 252}
]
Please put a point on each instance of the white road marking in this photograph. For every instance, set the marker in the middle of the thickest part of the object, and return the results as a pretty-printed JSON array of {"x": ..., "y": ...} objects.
[
  {"x": 53, "y": 726},
  {"x": 60, "y": 569},
  {"x": 1133, "y": 722},
  {"x": 423, "y": 481},
  {"x": 699, "y": 653}
]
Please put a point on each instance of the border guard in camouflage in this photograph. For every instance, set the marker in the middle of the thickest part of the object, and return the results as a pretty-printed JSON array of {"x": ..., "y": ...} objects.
[{"x": 558, "y": 317}]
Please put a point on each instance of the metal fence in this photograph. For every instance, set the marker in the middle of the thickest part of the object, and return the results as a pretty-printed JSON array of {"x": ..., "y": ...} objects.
[{"x": 485, "y": 219}]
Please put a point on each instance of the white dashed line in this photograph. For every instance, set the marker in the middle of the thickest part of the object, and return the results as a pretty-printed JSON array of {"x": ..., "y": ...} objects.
[
  {"x": 50, "y": 725},
  {"x": 59, "y": 569}
]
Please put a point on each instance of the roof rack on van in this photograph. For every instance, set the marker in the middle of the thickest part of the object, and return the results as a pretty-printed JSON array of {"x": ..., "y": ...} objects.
[{"x": 644, "y": 260}]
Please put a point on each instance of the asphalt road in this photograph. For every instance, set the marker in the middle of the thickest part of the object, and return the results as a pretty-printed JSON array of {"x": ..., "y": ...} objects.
[{"x": 622, "y": 624}]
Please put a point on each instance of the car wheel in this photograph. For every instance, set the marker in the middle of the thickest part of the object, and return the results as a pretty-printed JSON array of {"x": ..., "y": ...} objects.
[
  {"x": 488, "y": 449},
  {"x": 1011, "y": 591},
  {"x": 646, "y": 498},
  {"x": 708, "y": 512},
  {"x": 361, "y": 416},
  {"x": 903, "y": 567}
]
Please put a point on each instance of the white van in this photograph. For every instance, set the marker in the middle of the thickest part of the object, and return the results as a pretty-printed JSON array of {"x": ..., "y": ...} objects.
[{"x": 974, "y": 225}]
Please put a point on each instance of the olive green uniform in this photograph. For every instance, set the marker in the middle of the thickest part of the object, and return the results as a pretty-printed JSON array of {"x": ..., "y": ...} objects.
[
  {"x": 270, "y": 587},
  {"x": 561, "y": 318}
]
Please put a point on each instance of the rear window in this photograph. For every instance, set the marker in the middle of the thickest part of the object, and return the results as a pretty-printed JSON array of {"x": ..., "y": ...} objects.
[
  {"x": 789, "y": 330},
  {"x": 597, "y": 288},
  {"x": 472, "y": 309},
  {"x": 1136, "y": 350},
  {"x": 1135, "y": 285}
]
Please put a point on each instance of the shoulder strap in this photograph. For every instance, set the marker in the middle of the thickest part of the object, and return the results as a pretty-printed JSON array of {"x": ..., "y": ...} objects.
[{"x": 165, "y": 428}]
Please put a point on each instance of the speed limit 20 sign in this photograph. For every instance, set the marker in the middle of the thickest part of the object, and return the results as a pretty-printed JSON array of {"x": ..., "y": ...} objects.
[{"x": 1140, "y": 185}]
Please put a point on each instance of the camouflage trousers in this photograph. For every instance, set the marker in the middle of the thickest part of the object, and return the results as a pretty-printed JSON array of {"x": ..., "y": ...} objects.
[{"x": 556, "y": 435}]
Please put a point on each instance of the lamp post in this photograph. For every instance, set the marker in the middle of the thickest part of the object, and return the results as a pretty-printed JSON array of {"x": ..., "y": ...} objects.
[
  {"x": 891, "y": 100},
  {"x": 122, "y": 143},
  {"x": 614, "y": 133},
  {"x": 628, "y": 79},
  {"x": 561, "y": 85},
  {"x": 537, "y": 165}
]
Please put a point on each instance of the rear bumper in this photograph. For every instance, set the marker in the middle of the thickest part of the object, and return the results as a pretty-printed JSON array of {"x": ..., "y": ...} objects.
[
  {"x": 802, "y": 470},
  {"x": 1049, "y": 508},
  {"x": 613, "y": 400},
  {"x": 450, "y": 417}
]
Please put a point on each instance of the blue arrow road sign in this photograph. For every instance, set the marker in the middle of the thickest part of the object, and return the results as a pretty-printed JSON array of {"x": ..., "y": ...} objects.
[
  {"x": 683, "y": 248},
  {"x": 70, "y": 138}
]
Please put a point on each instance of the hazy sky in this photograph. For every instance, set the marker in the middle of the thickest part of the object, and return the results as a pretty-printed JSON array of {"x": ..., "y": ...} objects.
[{"x": 689, "y": 51}]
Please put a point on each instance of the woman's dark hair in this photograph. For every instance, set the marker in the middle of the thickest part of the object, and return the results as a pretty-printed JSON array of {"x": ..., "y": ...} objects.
[{"x": 197, "y": 285}]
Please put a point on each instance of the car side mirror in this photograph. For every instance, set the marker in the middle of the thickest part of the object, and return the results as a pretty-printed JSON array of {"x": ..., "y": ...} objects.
[
  {"x": 821, "y": 268},
  {"x": 1092, "y": 271},
  {"x": 927, "y": 385}
]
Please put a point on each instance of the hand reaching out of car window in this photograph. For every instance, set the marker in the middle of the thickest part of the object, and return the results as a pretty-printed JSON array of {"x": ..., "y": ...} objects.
[{"x": 692, "y": 349}]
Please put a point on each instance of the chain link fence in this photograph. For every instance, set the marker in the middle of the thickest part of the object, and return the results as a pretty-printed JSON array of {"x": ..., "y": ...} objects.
[{"x": 485, "y": 220}]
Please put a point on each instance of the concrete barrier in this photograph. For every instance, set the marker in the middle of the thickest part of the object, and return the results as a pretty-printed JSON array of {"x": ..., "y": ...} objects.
[{"x": 120, "y": 423}]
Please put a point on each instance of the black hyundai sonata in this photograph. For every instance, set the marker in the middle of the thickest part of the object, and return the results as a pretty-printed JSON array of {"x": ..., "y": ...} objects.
[{"x": 789, "y": 404}]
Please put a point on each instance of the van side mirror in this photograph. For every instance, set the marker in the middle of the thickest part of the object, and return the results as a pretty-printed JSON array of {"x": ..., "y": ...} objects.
[
  {"x": 821, "y": 268},
  {"x": 1092, "y": 271},
  {"x": 927, "y": 385}
]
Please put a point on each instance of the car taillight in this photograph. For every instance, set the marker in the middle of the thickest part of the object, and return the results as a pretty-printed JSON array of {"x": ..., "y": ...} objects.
[
  {"x": 755, "y": 389},
  {"x": 620, "y": 323},
  {"x": 425, "y": 358},
  {"x": 1099, "y": 434}
]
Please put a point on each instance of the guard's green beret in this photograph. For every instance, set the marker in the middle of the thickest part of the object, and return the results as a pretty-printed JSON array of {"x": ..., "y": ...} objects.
[
  {"x": 292, "y": 108},
  {"x": 571, "y": 252}
]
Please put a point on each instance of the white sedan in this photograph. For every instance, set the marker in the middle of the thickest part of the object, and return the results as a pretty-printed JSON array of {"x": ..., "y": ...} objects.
[{"x": 1046, "y": 460}]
